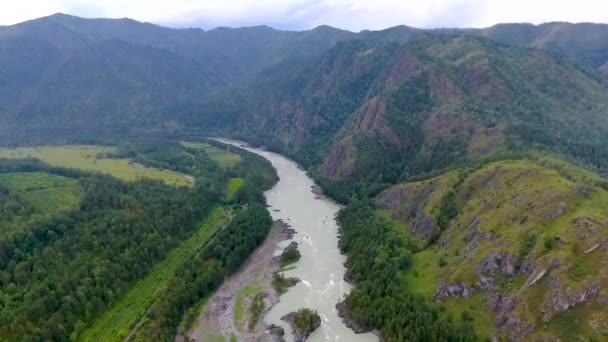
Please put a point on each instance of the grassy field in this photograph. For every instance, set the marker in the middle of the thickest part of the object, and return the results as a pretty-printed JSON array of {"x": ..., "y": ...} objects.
[
  {"x": 84, "y": 157},
  {"x": 116, "y": 322},
  {"x": 49, "y": 195},
  {"x": 234, "y": 184},
  {"x": 223, "y": 158}
]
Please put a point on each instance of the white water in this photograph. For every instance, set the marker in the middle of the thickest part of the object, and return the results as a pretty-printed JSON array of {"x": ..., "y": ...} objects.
[{"x": 321, "y": 266}]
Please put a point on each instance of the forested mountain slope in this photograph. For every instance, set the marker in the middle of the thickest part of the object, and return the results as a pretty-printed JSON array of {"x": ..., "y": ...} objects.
[
  {"x": 375, "y": 113},
  {"x": 87, "y": 77},
  {"x": 62, "y": 75}
]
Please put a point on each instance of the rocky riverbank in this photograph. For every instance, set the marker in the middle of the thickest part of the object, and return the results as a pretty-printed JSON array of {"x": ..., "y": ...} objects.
[{"x": 226, "y": 314}]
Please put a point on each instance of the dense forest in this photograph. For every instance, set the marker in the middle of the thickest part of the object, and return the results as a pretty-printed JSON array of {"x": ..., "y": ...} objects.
[
  {"x": 59, "y": 275},
  {"x": 377, "y": 257},
  {"x": 204, "y": 273}
]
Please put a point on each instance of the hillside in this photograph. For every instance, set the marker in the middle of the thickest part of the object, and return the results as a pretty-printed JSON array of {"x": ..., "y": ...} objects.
[
  {"x": 377, "y": 113},
  {"x": 521, "y": 240},
  {"x": 67, "y": 76},
  {"x": 470, "y": 163}
]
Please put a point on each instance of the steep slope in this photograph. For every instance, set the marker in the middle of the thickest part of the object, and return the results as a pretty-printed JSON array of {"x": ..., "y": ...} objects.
[
  {"x": 375, "y": 113},
  {"x": 516, "y": 247},
  {"x": 105, "y": 86}
]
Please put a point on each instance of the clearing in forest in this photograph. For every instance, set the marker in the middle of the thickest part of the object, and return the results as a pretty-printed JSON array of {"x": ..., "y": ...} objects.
[
  {"x": 34, "y": 196},
  {"x": 90, "y": 158},
  {"x": 233, "y": 186},
  {"x": 223, "y": 158}
]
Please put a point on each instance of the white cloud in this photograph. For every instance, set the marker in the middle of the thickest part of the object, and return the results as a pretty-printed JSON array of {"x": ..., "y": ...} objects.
[{"x": 302, "y": 14}]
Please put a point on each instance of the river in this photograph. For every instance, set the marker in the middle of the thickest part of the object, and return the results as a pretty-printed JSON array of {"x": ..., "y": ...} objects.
[{"x": 320, "y": 267}]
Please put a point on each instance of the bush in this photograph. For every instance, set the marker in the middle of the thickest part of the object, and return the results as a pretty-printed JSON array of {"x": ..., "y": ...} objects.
[
  {"x": 306, "y": 320},
  {"x": 549, "y": 242}
]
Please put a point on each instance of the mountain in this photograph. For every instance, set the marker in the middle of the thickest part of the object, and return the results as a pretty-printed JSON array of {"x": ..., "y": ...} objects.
[
  {"x": 63, "y": 75},
  {"x": 232, "y": 53},
  {"x": 371, "y": 114},
  {"x": 471, "y": 160},
  {"x": 585, "y": 42},
  {"x": 513, "y": 247},
  {"x": 39, "y": 56}
]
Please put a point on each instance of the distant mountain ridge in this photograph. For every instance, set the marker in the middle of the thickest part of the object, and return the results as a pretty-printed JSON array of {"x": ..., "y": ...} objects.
[
  {"x": 459, "y": 136},
  {"x": 64, "y": 74}
]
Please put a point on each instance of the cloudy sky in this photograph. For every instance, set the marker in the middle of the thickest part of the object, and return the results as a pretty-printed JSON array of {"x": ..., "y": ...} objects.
[{"x": 303, "y": 14}]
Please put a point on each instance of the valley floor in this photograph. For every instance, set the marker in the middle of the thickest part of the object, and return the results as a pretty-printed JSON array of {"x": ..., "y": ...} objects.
[{"x": 226, "y": 315}]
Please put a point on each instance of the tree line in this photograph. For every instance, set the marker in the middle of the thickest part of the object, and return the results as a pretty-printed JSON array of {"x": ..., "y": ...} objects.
[{"x": 58, "y": 276}]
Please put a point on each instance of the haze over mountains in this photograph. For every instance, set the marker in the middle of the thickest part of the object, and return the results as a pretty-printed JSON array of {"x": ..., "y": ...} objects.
[
  {"x": 154, "y": 74},
  {"x": 414, "y": 91},
  {"x": 365, "y": 112}
]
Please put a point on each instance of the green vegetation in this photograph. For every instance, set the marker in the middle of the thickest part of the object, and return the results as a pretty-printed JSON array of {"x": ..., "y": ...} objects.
[
  {"x": 527, "y": 243},
  {"x": 512, "y": 213},
  {"x": 192, "y": 314},
  {"x": 255, "y": 310},
  {"x": 281, "y": 284},
  {"x": 234, "y": 185},
  {"x": 377, "y": 254},
  {"x": 132, "y": 249},
  {"x": 123, "y": 315},
  {"x": 248, "y": 291},
  {"x": 203, "y": 273},
  {"x": 86, "y": 157},
  {"x": 306, "y": 321},
  {"x": 30, "y": 197},
  {"x": 398, "y": 105},
  {"x": 225, "y": 159},
  {"x": 290, "y": 254},
  {"x": 94, "y": 254}
]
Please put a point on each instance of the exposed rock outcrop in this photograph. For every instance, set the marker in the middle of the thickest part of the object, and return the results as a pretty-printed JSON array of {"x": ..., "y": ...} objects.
[
  {"x": 503, "y": 306},
  {"x": 558, "y": 300},
  {"x": 407, "y": 204},
  {"x": 276, "y": 331},
  {"x": 503, "y": 262},
  {"x": 452, "y": 290},
  {"x": 340, "y": 161}
]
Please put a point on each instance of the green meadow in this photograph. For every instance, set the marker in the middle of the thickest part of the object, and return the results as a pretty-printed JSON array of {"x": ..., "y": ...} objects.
[
  {"x": 45, "y": 195},
  {"x": 233, "y": 186},
  {"x": 223, "y": 158},
  {"x": 88, "y": 157}
]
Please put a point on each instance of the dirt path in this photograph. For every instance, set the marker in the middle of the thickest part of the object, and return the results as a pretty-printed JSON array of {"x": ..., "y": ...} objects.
[{"x": 217, "y": 322}]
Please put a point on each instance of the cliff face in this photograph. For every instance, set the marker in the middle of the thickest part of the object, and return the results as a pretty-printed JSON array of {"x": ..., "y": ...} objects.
[{"x": 520, "y": 246}]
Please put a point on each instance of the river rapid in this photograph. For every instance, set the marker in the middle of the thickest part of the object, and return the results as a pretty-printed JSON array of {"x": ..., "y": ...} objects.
[{"x": 320, "y": 267}]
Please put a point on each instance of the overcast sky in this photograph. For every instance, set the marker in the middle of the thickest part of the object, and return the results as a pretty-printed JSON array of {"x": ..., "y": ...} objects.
[{"x": 353, "y": 15}]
